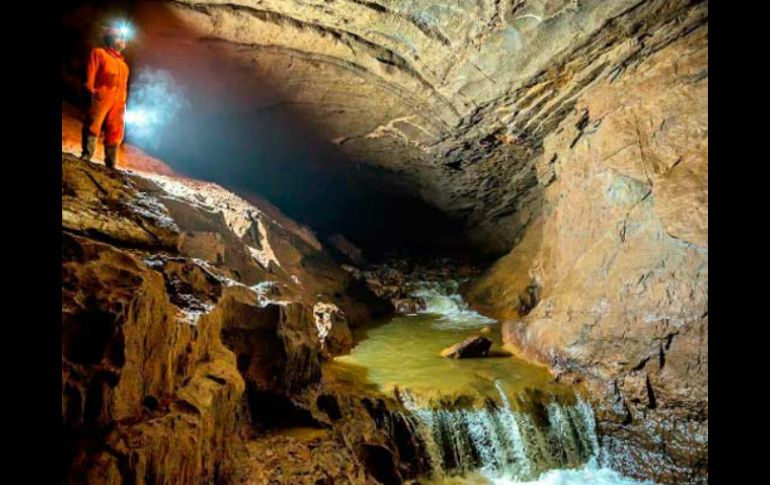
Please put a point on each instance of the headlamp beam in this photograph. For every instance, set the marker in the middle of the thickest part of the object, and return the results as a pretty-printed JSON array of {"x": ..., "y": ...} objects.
[{"x": 124, "y": 30}]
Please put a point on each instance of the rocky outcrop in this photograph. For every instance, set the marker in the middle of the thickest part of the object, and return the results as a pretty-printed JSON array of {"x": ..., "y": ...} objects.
[
  {"x": 409, "y": 305},
  {"x": 395, "y": 281},
  {"x": 149, "y": 393},
  {"x": 471, "y": 347},
  {"x": 188, "y": 317},
  {"x": 349, "y": 434},
  {"x": 347, "y": 249},
  {"x": 610, "y": 285}
]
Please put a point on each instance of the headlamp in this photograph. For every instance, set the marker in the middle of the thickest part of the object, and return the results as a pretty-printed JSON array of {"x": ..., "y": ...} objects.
[{"x": 124, "y": 29}]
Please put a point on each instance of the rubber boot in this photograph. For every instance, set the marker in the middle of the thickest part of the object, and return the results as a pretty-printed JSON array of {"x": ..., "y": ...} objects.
[
  {"x": 89, "y": 147},
  {"x": 110, "y": 155}
]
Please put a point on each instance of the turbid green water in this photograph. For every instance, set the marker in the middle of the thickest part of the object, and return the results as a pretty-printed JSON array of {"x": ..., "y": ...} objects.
[
  {"x": 404, "y": 353},
  {"x": 494, "y": 420}
]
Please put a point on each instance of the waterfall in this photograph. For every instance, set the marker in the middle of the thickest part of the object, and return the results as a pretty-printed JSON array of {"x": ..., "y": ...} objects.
[
  {"x": 500, "y": 442},
  {"x": 498, "y": 421},
  {"x": 443, "y": 298}
]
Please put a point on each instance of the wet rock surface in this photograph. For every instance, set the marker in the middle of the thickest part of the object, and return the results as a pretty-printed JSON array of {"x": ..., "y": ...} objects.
[
  {"x": 620, "y": 263},
  {"x": 454, "y": 99},
  {"x": 409, "y": 305},
  {"x": 472, "y": 347},
  {"x": 350, "y": 434},
  {"x": 183, "y": 365},
  {"x": 174, "y": 370},
  {"x": 172, "y": 353},
  {"x": 393, "y": 280}
]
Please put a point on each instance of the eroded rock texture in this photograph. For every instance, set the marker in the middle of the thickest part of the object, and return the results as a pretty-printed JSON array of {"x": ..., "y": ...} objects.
[
  {"x": 611, "y": 281},
  {"x": 192, "y": 322},
  {"x": 455, "y": 98},
  {"x": 148, "y": 389}
]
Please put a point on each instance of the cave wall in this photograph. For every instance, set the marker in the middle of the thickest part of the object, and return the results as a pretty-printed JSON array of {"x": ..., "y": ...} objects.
[
  {"x": 233, "y": 127},
  {"x": 352, "y": 103},
  {"x": 611, "y": 283},
  {"x": 454, "y": 99}
]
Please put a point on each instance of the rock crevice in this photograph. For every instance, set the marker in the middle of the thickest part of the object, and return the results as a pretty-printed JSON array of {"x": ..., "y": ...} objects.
[{"x": 172, "y": 351}]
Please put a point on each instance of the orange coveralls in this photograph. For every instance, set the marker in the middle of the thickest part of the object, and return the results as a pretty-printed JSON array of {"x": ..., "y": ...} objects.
[{"x": 107, "y": 81}]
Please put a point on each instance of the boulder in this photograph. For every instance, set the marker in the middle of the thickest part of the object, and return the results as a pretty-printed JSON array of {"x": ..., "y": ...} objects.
[
  {"x": 409, "y": 305},
  {"x": 471, "y": 347},
  {"x": 347, "y": 249}
]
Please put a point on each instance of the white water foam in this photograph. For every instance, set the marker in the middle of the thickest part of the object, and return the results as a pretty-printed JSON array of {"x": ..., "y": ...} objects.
[
  {"x": 498, "y": 442},
  {"x": 501, "y": 446},
  {"x": 589, "y": 474},
  {"x": 442, "y": 298}
]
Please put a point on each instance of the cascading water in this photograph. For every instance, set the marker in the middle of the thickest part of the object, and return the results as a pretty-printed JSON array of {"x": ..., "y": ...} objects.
[
  {"x": 497, "y": 420},
  {"x": 442, "y": 298},
  {"x": 500, "y": 442}
]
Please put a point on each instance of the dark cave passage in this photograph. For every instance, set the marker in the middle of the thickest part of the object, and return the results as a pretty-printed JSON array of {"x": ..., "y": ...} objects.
[{"x": 232, "y": 128}]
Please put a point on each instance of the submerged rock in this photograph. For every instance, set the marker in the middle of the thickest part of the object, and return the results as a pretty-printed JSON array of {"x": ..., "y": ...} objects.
[
  {"x": 477, "y": 346},
  {"x": 409, "y": 305}
]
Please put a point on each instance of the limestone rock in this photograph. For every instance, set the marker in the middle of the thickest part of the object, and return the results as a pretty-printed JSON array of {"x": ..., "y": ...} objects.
[
  {"x": 571, "y": 135},
  {"x": 471, "y": 347},
  {"x": 170, "y": 351},
  {"x": 153, "y": 374},
  {"x": 409, "y": 305},
  {"x": 453, "y": 99},
  {"x": 347, "y": 249},
  {"x": 96, "y": 203},
  {"x": 620, "y": 254},
  {"x": 350, "y": 434}
]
